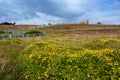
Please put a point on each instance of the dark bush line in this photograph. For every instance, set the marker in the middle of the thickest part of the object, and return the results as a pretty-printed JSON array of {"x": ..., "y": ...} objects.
[{"x": 7, "y": 23}]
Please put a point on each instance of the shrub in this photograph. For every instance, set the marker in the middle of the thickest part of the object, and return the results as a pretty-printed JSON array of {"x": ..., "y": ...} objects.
[
  {"x": 2, "y": 32},
  {"x": 33, "y": 32}
]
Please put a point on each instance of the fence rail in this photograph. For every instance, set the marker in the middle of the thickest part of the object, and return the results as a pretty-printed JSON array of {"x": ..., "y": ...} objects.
[{"x": 2, "y": 36}]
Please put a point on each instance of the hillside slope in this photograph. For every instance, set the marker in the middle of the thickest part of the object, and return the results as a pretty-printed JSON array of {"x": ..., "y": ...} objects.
[{"x": 82, "y": 30}]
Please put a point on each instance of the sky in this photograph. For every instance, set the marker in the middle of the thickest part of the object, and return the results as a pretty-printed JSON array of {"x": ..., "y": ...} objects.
[{"x": 60, "y": 11}]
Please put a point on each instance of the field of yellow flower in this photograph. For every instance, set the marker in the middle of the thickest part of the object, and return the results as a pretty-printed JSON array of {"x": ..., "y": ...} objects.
[{"x": 71, "y": 60}]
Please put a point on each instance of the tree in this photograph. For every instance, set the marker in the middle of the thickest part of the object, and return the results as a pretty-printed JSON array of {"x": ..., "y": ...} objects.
[
  {"x": 99, "y": 23},
  {"x": 49, "y": 24},
  {"x": 7, "y": 23}
]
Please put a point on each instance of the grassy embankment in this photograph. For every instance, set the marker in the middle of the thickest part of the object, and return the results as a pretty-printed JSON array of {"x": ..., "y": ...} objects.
[{"x": 70, "y": 52}]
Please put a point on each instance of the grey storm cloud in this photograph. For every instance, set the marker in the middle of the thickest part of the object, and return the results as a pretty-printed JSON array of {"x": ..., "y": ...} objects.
[{"x": 24, "y": 11}]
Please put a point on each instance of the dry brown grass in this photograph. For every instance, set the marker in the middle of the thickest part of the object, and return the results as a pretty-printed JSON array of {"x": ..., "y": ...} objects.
[
  {"x": 4, "y": 27},
  {"x": 79, "y": 31},
  {"x": 76, "y": 31},
  {"x": 78, "y": 26}
]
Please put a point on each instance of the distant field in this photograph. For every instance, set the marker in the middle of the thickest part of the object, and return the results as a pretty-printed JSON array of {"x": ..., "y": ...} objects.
[
  {"x": 71, "y": 30},
  {"x": 82, "y": 30},
  {"x": 4, "y": 27},
  {"x": 76, "y": 31}
]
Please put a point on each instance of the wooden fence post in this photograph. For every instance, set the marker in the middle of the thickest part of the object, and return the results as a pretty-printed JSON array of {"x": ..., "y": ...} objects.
[{"x": 10, "y": 35}]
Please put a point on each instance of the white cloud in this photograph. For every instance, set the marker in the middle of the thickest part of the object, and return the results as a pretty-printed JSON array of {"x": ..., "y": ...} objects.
[
  {"x": 76, "y": 6},
  {"x": 42, "y": 19},
  {"x": 108, "y": 17},
  {"x": 73, "y": 6},
  {"x": 7, "y": 1},
  {"x": 93, "y": 10}
]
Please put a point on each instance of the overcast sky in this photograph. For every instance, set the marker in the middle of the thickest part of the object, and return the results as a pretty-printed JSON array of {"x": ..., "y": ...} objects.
[{"x": 60, "y": 11}]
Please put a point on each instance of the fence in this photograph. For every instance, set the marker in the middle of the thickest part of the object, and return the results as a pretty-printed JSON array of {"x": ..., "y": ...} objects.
[{"x": 2, "y": 36}]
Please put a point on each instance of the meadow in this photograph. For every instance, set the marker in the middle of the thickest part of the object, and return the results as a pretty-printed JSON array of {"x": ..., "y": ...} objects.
[{"x": 66, "y": 52}]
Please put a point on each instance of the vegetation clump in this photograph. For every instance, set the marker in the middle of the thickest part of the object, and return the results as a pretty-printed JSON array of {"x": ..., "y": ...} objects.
[
  {"x": 2, "y": 32},
  {"x": 7, "y": 23},
  {"x": 33, "y": 32},
  {"x": 67, "y": 60}
]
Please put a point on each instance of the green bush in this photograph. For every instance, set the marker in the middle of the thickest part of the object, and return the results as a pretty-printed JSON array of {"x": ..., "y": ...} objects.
[
  {"x": 33, "y": 32},
  {"x": 2, "y": 32}
]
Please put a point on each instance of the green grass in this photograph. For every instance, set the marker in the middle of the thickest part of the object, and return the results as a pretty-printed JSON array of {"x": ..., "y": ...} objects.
[{"x": 1, "y": 31}]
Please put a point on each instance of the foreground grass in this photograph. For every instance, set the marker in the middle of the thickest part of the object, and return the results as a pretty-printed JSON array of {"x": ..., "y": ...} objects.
[{"x": 68, "y": 59}]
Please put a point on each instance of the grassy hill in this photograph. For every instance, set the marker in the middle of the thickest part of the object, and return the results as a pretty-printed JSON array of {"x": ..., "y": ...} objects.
[
  {"x": 67, "y": 52},
  {"x": 82, "y": 30}
]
